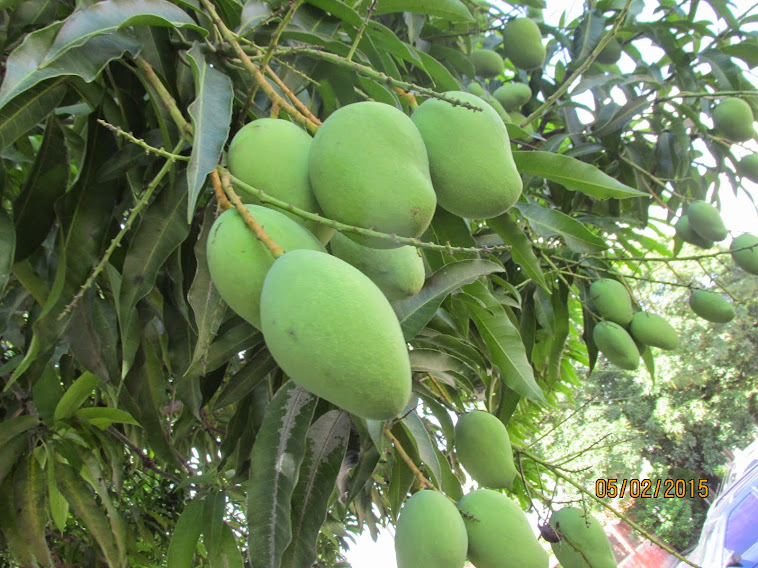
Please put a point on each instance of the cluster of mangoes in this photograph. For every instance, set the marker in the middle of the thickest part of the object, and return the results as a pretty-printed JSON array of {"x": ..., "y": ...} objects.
[
  {"x": 484, "y": 525},
  {"x": 622, "y": 335},
  {"x": 369, "y": 166}
]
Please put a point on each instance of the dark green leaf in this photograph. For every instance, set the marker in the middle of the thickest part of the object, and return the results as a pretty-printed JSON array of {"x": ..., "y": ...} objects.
[
  {"x": 23, "y": 113},
  {"x": 104, "y": 417},
  {"x": 227, "y": 555},
  {"x": 578, "y": 237},
  {"x": 31, "y": 507},
  {"x": 246, "y": 379},
  {"x": 10, "y": 453},
  {"x": 211, "y": 114},
  {"x": 425, "y": 446},
  {"x": 326, "y": 444},
  {"x": 573, "y": 174},
  {"x": 75, "y": 395},
  {"x": 212, "y": 521},
  {"x": 276, "y": 457},
  {"x": 186, "y": 534},
  {"x": 453, "y": 10},
  {"x": 12, "y": 427},
  {"x": 414, "y": 313},
  {"x": 7, "y": 248},
  {"x": 521, "y": 247}
]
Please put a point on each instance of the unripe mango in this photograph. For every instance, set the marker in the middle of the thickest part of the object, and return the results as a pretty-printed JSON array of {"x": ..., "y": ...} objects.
[
  {"x": 272, "y": 155},
  {"x": 484, "y": 449},
  {"x": 513, "y": 95},
  {"x": 522, "y": 44},
  {"x": 710, "y": 306},
  {"x": 238, "y": 261},
  {"x": 684, "y": 231},
  {"x": 430, "y": 532},
  {"x": 611, "y": 300},
  {"x": 746, "y": 259},
  {"x": 488, "y": 63},
  {"x": 617, "y": 345},
  {"x": 333, "y": 332},
  {"x": 369, "y": 168},
  {"x": 470, "y": 157},
  {"x": 499, "y": 535},
  {"x": 733, "y": 118},
  {"x": 706, "y": 221},
  {"x": 748, "y": 167},
  {"x": 399, "y": 272},
  {"x": 582, "y": 541},
  {"x": 652, "y": 329},
  {"x": 476, "y": 89},
  {"x": 611, "y": 53}
]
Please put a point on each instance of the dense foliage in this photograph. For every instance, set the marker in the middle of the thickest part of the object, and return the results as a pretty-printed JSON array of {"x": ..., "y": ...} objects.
[{"x": 143, "y": 422}]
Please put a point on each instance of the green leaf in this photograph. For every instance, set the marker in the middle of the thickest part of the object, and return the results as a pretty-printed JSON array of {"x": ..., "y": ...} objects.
[
  {"x": 93, "y": 336},
  {"x": 450, "y": 484},
  {"x": 31, "y": 507},
  {"x": 58, "y": 503},
  {"x": 75, "y": 395},
  {"x": 101, "y": 417},
  {"x": 108, "y": 16},
  {"x": 276, "y": 457},
  {"x": 623, "y": 116},
  {"x": 24, "y": 71},
  {"x": 82, "y": 501},
  {"x": 521, "y": 247},
  {"x": 443, "y": 79},
  {"x": 326, "y": 444},
  {"x": 573, "y": 174},
  {"x": 206, "y": 302},
  {"x": 339, "y": 10},
  {"x": 229, "y": 342},
  {"x": 246, "y": 379},
  {"x": 504, "y": 342},
  {"x": 12, "y": 427},
  {"x": 227, "y": 555},
  {"x": 549, "y": 221},
  {"x": 211, "y": 114},
  {"x": 212, "y": 521},
  {"x": 444, "y": 367},
  {"x": 415, "y": 312},
  {"x": 33, "y": 209},
  {"x": 23, "y": 113},
  {"x": 13, "y": 538},
  {"x": 186, "y": 534},
  {"x": 9, "y": 454},
  {"x": 425, "y": 446},
  {"x": 453, "y": 10},
  {"x": 7, "y": 248},
  {"x": 161, "y": 230}
]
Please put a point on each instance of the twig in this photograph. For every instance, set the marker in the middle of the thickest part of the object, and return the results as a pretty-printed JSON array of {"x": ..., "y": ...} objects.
[
  {"x": 218, "y": 189},
  {"x": 116, "y": 242},
  {"x": 147, "y": 461},
  {"x": 142, "y": 144},
  {"x": 184, "y": 127},
  {"x": 260, "y": 234},
  {"x": 362, "y": 29},
  {"x": 423, "y": 481},
  {"x": 292, "y": 96}
]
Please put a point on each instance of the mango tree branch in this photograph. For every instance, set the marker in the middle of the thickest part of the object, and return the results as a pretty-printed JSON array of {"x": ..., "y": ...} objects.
[
  {"x": 581, "y": 69},
  {"x": 254, "y": 226},
  {"x": 184, "y": 127},
  {"x": 423, "y": 481},
  {"x": 260, "y": 79}
]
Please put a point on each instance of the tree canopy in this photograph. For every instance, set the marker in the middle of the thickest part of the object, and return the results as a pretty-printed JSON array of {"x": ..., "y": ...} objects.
[{"x": 144, "y": 422}]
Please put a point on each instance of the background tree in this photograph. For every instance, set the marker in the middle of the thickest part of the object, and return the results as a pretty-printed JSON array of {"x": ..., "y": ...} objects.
[{"x": 140, "y": 416}]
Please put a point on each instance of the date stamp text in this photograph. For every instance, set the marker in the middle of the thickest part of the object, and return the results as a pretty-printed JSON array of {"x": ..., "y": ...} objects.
[{"x": 650, "y": 488}]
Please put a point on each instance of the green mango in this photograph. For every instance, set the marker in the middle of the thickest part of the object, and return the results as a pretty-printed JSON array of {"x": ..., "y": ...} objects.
[
  {"x": 499, "y": 535},
  {"x": 748, "y": 167},
  {"x": 611, "y": 53},
  {"x": 470, "y": 156},
  {"x": 746, "y": 259},
  {"x": 238, "y": 261},
  {"x": 522, "y": 44},
  {"x": 733, "y": 118},
  {"x": 706, "y": 221},
  {"x": 611, "y": 300},
  {"x": 430, "y": 532},
  {"x": 484, "y": 449},
  {"x": 653, "y": 329},
  {"x": 684, "y": 232},
  {"x": 399, "y": 272},
  {"x": 272, "y": 155},
  {"x": 513, "y": 95},
  {"x": 582, "y": 541},
  {"x": 334, "y": 333},
  {"x": 617, "y": 345},
  {"x": 711, "y": 306},
  {"x": 369, "y": 168},
  {"x": 488, "y": 63},
  {"x": 476, "y": 89}
]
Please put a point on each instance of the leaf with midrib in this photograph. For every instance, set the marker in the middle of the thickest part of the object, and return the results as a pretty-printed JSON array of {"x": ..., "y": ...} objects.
[
  {"x": 521, "y": 247},
  {"x": 84, "y": 505},
  {"x": 415, "y": 312},
  {"x": 186, "y": 534},
  {"x": 453, "y": 10},
  {"x": 578, "y": 237},
  {"x": 75, "y": 395},
  {"x": 573, "y": 174},
  {"x": 31, "y": 509},
  {"x": 275, "y": 461}
]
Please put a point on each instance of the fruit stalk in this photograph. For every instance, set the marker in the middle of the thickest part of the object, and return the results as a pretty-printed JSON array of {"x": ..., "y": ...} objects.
[
  {"x": 260, "y": 234},
  {"x": 423, "y": 481}
]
